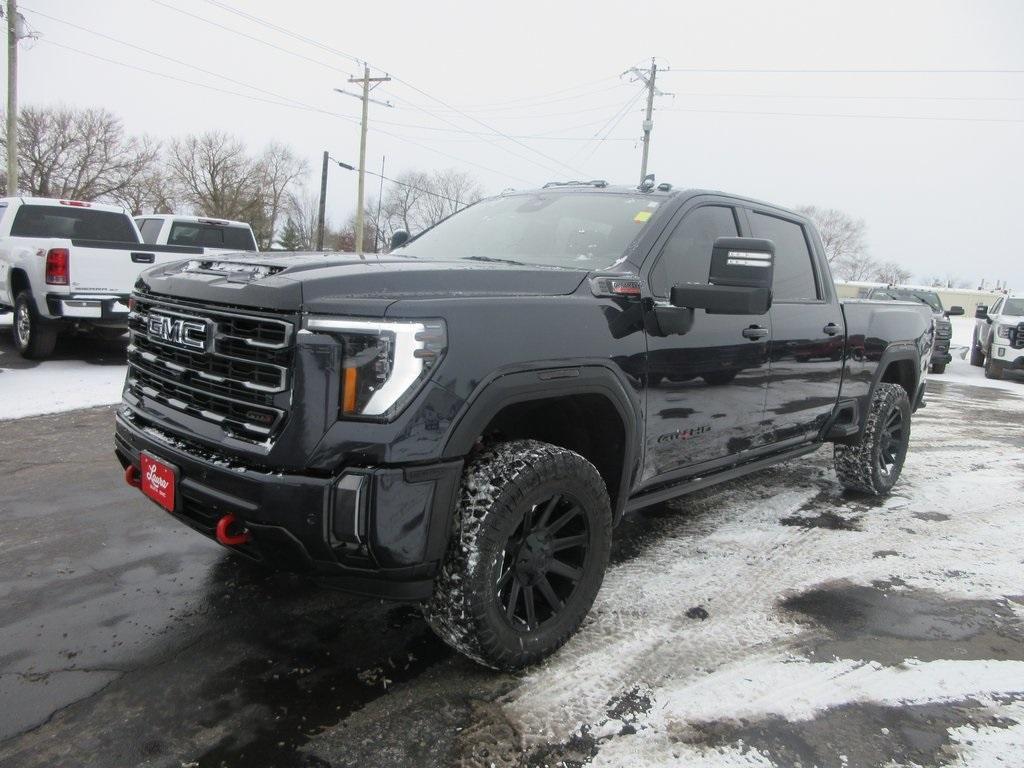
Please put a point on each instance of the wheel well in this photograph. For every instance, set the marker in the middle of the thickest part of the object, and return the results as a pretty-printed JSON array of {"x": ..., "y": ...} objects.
[
  {"x": 19, "y": 283},
  {"x": 588, "y": 424},
  {"x": 901, "y": 372}
]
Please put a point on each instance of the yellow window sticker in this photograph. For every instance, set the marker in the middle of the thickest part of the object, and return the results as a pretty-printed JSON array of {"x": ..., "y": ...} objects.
[{"x": 642, "y": 216}]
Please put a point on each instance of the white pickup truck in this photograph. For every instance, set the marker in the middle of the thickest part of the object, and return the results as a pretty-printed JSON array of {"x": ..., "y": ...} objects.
[
  {"x": 67, "y": 264},
  {"x": 213, "y": 235},
  {"x": 999, "y": 335}
]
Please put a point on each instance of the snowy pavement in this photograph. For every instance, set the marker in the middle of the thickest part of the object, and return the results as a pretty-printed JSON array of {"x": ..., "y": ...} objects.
[{"x": 772, "y": 621}]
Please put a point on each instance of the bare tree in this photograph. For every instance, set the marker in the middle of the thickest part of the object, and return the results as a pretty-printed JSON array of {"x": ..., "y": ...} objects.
[
  {"x": 303, "y": 214},
  {"x": 216, "y": 176},
  {"x": 417, "y": 200},
  {"x": 844, "y": 239},
  {"x": 892, "y": 273},
  {"x": 79, "y": 153},
  {"x": 279, "y": 169}
]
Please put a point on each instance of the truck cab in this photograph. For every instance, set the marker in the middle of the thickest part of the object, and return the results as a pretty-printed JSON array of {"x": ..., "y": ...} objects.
[{"x": 211, "y": 234}]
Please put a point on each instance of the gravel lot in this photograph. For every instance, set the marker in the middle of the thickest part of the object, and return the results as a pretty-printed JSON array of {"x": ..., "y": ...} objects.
[{"x": 771, "y": 621}]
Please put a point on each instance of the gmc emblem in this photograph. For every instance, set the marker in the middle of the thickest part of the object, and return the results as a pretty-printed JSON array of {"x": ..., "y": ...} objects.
[{"x": 190, "y": 334}]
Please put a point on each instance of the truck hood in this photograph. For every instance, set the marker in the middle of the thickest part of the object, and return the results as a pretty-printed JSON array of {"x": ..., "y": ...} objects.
[{"x": 347, "y": 283}]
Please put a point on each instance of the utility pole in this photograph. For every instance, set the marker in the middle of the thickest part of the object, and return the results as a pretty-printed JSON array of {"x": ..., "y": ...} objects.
[
  {"x": 380, "y": 198},
  {"x": 366, "y": 82},
  {"x": 12, "y": 96},
  {"x": 323, "y": 204},
  {"x": 647, "y": 78}
]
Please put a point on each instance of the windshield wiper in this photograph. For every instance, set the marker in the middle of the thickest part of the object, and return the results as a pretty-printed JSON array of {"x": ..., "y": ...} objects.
[{"x": 494, "y": 260}]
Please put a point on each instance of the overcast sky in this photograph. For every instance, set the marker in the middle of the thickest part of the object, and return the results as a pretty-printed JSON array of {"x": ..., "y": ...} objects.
[{"x": 942, "y": 196}]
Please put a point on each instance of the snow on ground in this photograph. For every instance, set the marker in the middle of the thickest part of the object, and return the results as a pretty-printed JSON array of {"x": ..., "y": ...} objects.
[
  {"x": 951, "y": 531},
  {"x": 81, "y": 374}
]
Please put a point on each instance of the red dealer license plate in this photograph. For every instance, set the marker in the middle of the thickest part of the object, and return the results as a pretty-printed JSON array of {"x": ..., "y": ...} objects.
[{"x": 159, "y": 480}]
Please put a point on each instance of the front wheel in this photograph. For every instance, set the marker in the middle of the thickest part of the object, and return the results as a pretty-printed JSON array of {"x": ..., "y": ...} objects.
[
  {"x": 528, "y": 553},
  {"x": 993, "y": 368},
  {"x": 34, "y": 336},
  {"x": 873, "y": 464},
  {"x": 938, "y": 368}
]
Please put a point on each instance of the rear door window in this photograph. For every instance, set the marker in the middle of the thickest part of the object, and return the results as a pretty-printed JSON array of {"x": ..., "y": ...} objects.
[
  {"x": 72, "y": 224},
  {"x": 210, "y": 236},
  {"x": 686, "y": 257},
  {"x": 794, "y": 271},
  {"x": 150, "y": 229}
]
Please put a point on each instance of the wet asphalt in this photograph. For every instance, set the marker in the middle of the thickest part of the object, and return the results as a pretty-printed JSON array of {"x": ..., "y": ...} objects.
[{"x": 127, "y": 639}]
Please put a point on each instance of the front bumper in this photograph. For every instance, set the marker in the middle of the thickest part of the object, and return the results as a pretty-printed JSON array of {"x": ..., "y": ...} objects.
[
  {"x": 386, "y": 540},
  {"x": 107, "y": 309},
  {"x": 1007, "y": 356}
]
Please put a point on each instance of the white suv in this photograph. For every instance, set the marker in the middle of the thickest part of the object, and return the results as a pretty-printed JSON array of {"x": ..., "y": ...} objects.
[{"x": 999, "y": 336}]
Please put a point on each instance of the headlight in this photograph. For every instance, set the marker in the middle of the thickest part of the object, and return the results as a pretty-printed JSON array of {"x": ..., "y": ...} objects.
[
  {"x": 384, "y": 363},
  {"x": 1003, "y": 331}
]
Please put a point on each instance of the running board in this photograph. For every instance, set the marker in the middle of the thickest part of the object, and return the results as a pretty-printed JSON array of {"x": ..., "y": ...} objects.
[{"x": 698, "y": 483}]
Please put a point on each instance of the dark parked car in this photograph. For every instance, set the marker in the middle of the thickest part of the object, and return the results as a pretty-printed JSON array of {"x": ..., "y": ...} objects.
[
  {"x": 464, "y": 421},
  {"x": 943, "y": 328}
]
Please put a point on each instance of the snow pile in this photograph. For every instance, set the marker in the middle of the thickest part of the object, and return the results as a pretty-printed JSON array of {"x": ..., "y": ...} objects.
[{"x": 29, "y": 388}]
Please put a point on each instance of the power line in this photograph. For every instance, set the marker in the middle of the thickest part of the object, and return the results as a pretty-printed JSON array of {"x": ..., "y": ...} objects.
[
  {"x": 247, "y": 36},
  {"x": 348, "y": 167},
  {"x": 296, "y": 105},
  {"x": 833, "y": 114},
  {"x": 150, "y": 52},
  {"x": 259, "y": 20},
  {"x": 839, "y": 71},
  {"x": 887, "y": 97}
]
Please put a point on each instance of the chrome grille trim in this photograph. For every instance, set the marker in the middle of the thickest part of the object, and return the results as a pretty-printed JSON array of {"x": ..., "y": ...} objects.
[{"x": 246, "y": 393}]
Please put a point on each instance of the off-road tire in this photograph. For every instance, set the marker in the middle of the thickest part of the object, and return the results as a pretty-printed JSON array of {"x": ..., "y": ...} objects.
[
  {"x": 499, "y": 486},
  {"x": 938, "y": 368},
  {"x": 34, "y": 336},
  {"x": 857, "y": 464},
  {"x": 977, "y": 353},
  {"x": 993, "y": 368}
]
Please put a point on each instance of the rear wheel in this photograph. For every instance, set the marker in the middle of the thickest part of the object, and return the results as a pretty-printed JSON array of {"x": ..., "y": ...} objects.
[
  {"x": 939, "y": 368},
  {"x": 873, "y": 464},
  {"x": 34, "y": 336},
  {"x": 977, "y": 354},
  {"x": 527, "y": 557},
  {"x": 993, "y": 369}
]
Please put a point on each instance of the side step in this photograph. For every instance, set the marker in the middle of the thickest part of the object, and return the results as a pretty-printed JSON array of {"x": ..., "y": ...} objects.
[{"x": 698, "y": 483}]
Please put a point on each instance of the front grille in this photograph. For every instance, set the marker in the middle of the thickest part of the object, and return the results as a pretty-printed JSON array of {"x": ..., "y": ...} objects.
[
  {"x": 240, "y": 379},
  {"x": 943, "y": 332},
  {"x": 1017, "y": 336}
]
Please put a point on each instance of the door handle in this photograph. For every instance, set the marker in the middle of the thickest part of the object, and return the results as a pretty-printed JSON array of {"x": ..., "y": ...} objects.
[
  {"x": 755, "y": 332},
  {"x": 831, "y": 329},
  {"x": 143, "y": 258}
]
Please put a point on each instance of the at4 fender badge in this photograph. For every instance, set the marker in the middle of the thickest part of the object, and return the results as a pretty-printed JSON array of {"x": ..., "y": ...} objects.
[{"x": 684, "y": 434}]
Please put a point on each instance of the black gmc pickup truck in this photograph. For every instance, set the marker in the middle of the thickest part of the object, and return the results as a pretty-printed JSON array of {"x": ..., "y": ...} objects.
[{"x": 463, "y": 421}]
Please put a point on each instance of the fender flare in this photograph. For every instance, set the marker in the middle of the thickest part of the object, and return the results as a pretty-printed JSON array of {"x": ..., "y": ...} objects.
[{"x": 512, "y": 386}]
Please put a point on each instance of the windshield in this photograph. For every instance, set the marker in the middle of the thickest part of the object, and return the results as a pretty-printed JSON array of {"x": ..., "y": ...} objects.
[
  {"x": 905, "y": 294},
  {"x": 580, "y": 230},
  {"x": 73, "y": 223},
  {"x": 1013, "y": 307}
]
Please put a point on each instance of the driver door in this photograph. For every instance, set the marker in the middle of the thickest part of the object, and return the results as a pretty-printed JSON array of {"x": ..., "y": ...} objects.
[{"x": 706, "y": 384}]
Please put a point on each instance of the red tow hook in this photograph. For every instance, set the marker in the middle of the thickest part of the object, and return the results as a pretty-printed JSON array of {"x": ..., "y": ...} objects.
[
  {"x": 132, "y": 476},
  {"x": 231, "y": 539}
]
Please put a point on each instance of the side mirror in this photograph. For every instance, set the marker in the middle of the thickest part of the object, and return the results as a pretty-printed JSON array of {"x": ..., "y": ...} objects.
[
  {"x": 740, "y": 282},
  {"x": 981, "y": 313},
  {"x": 399, "y": 238},
  {"x": 954, "y": 311}
]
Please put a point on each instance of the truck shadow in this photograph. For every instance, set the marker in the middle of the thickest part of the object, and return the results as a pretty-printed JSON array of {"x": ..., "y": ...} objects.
[{"x": 79, "y": 347}]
